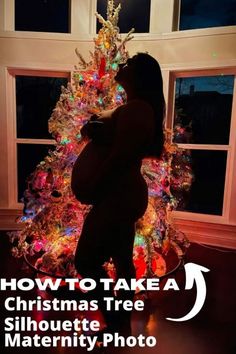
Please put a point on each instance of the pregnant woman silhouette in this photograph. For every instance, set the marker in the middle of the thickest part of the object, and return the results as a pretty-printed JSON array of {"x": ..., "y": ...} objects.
[{"x": 107, "y": 175}]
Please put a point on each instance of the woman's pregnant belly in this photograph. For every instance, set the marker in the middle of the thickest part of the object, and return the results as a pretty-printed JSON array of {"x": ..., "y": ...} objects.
[
  {"x": 126, "y": 191},
  {"x": 129, "y": 198},
  {"x": 85, "y": 168}
]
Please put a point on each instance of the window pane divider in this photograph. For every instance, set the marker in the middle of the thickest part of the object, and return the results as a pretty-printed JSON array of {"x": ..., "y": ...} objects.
[
  {"x": 231, "y": 166},
  {"x": 204, "y": 147},
  {"x": 188, "y": 215},
  {"x": 191, "y": 72},
  {"x": 35, "y": 141},
  {"x": 39, "y": 72}
]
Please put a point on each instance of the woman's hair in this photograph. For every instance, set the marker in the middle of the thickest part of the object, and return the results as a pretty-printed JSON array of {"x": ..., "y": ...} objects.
[{"x": 148, "y": 85}]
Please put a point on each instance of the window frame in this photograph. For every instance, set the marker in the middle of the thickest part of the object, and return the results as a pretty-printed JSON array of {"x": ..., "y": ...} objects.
[
  {"x": 83, "y": 23},
  {"x": 229, "y": 202},
  {"x": 80, "y": 22},
  {"x": 12, "y": 126}
]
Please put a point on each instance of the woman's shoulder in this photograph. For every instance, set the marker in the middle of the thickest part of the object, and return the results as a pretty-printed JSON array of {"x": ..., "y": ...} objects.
[
  {"x": 139, "y": 102},
  {"x": 136, "y": 111},
  {"x": 134, "y": 119},
  {"x": 137, "y": 107}
]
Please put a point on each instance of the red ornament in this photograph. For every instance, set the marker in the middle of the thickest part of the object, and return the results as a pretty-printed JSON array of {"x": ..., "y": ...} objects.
[{"x": 102, "y": 67}]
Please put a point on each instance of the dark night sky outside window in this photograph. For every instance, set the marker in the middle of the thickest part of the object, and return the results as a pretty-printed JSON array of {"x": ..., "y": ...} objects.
[
  {"x": 42, "y": 15},
  {"x": 36, "y": 97},
  {"x": 207, "y": 13},
  {"x": 203, "y": 108},
  {"x": 207, "y": 190},
  {"x": 133, "y": 14},
  {"x": 28, "y": 157}
]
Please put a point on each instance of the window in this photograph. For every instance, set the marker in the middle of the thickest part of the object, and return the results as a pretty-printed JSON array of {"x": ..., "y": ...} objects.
[
  {"x": 28, "y": 157},
  {"x": 36, "y": 96},
  {"x": 134, "y": 14},
  {"x": 42, "y": 15},
  {"x": 203, "y": 109},
  {"x": 207, "y": 13},
  {"x": 201, "y": 122},
  {"x": 35, "y": 99}
]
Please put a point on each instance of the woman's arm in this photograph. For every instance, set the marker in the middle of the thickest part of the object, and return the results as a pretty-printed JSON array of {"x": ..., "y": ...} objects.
[
  {"x": 91, "y": 128},
  {"x": 98, "y": 127}
]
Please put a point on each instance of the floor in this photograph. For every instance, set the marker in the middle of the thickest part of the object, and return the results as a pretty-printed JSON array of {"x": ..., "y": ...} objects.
[{"x": 211, "y": 331}]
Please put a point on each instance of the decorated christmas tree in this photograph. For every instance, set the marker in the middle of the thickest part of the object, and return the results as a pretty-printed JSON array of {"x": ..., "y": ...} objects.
[{"x": 52, "y": 217}]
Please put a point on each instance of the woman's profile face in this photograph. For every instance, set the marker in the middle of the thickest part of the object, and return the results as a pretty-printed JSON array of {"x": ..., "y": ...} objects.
[{"x": 125, "y": 73}]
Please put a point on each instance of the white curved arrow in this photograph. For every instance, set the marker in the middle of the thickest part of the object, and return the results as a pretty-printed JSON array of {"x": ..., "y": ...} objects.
[{"x": 194, "y": 273}]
